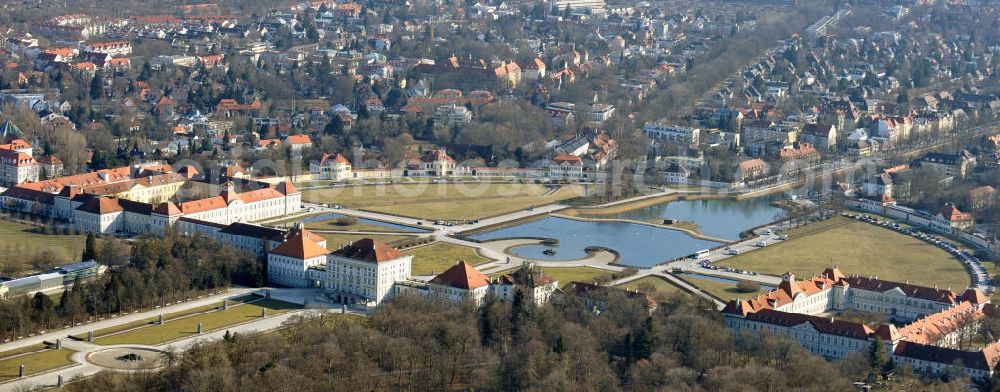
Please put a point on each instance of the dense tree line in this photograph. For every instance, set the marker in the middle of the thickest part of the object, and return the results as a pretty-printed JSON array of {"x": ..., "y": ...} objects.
[
  {"x": 419, "y": 344},
  {"x": 162, "y": 270}
]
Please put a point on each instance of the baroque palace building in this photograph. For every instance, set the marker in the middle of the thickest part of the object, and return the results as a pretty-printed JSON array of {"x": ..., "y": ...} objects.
[
  {"x": 930, "y": 329},
  {"x": 148, "y": 198}
]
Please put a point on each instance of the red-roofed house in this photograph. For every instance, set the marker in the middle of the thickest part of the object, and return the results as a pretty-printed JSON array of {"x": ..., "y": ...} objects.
[
  {"x": 17, "y": 166},
  {"x": 566, "y": 166},
  {"x": 298, "y": 142},
  {"x": 334, "y": 167},
  {"x": 955, "y": 218},
  {"x": 437, "y": 163}
]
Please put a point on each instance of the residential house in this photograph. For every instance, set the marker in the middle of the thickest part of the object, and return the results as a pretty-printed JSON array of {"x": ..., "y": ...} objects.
[
  {"x": 751, "y": 170},
  {"x": 950, "y": 164},
  {"x": 333, "y": 167},
  {"x": 822, "y": 136},
  {"x": 664, "y": 132},
  {"x": 298, "y": 142},
  {"x": 566, "y": 167},
  {"x": 954, "y": 217}
]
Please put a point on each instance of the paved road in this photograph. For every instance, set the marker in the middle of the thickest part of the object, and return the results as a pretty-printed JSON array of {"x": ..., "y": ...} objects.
[
  {"x": 694, "y": 265},
  {"x": 85, "y": 368},
  {"x": 52, "y": 335},
  {"x": 440, "y": 230}
]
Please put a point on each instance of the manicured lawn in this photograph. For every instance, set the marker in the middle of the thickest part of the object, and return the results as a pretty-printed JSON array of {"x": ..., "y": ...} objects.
[
  {"x": 721, "y": 290},
  {"x": 167, "y": 317},
  {"x": 332, "y": 224},
  {"x": 858, "y": 248},
  {"x": 173, "y": 330},
  {"x": 35, "y": 363},
  {"x": 568, "y": 274},
  {"x": 656, "y": 283},
  {"x": 446, "y": 201},
  {"x": 335, "y": 240},
  {"x": 20, "y": 245},
  {"x": 437, "y": 257}
]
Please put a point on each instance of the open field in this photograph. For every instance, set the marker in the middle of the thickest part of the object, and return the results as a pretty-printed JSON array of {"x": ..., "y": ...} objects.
[
  {"x": 634, "y": 205},
  {"x": 173, "y": 330},
  {"x": 35, "y": 363},
  {"x": 20, "y": 245},
  {"x": 437, "y": 257},
  {"x": 857, "y": 248},
  {"x": 332, "y": 224},
  {"x": 721, "y": 290},
  {"x": 335, "y": 240},
  {"x": 443, "y": 201},
  {"x": 169, "y": 316},
  {"x": 565, "y": 274},
  {"x": 657, "y": 284},
  {"x": 568, "y": 274}
]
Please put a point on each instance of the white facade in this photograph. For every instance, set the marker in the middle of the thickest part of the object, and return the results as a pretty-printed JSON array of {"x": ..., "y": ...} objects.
[
  {"x": 673, "y": 134},
  {"x": 291, "y": 271},
  {"x": 365, "y": 282}
]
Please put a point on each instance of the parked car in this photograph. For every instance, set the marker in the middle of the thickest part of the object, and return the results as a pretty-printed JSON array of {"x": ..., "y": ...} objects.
[{"x": 761, "y": 243}]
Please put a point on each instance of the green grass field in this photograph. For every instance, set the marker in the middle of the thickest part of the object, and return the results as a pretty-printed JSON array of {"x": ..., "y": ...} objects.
[
  {"x": 34, "y": 363},
  {"x": 332, "y": 224},
  {"x": 437, "y": 257},
  {"x": 169, "y": 316},
  {"x": 335, "y": 240},
  {"x": 568, "y": 274},
  {"x": 721, "y": 290},
  {"x": 565, "y": 274},
  {"x": 652, "y": 285},
  {"x": 442, "y": 201},
  {"x": 857, "y": 248},
  {"x": 20, "y": 245},
  {"x": 178, "y": 329}
]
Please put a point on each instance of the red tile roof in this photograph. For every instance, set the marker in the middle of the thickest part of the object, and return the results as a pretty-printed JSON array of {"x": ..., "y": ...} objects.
[
  {"x": 566, "y": 158},
  {"x": 301, "y": 245},
  {"x": 167, "y": 209},
  {"x": 299, "y": 139},
  {"x": 438, "y": 155},
  {"x": 100, "y": 205},
  {"x": 339, "y": 158},
  {"x": 368, "y": 249},
  {"x": 953, "y": 214},
  {"x": 202, "y": 205},
  {"x": 462, "y": 275}
]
